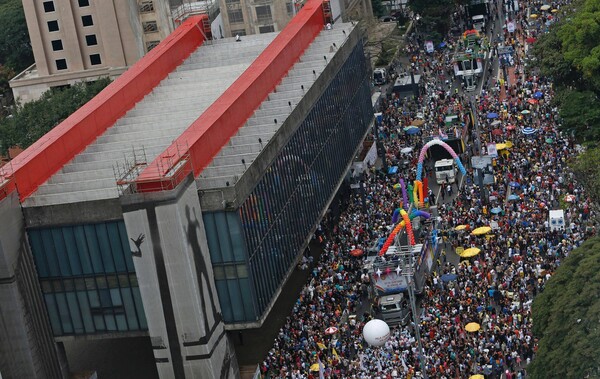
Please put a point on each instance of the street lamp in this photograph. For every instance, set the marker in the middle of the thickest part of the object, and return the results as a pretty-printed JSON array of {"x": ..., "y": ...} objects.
[{"x": 407, "y": 260}]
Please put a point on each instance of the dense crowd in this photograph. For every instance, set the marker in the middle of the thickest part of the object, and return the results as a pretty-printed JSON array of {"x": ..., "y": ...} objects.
[{"x": 495, "y": 288}]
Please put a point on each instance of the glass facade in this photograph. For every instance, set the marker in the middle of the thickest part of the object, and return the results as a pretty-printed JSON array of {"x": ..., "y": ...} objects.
[
  {"x": 88, "y": 279},
  {"x": 285, "y": 204},
  {"x": 230, "y": 269}
]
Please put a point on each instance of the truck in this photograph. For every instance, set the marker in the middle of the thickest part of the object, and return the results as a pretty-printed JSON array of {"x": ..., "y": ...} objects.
[
  {"x": 478, "y": 23},
  {"x": 394, "y": 309},
  {"x": 380, "y": 76},
  {"x": 445, "y": 171}
]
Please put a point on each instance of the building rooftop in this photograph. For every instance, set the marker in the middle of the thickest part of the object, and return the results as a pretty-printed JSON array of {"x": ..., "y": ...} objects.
[
  {"x": 154, "y": 122},
  {"x": 161, "y": 116}
]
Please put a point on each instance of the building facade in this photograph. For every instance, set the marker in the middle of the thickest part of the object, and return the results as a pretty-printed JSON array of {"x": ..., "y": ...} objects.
[
  {"x": 181, "y": 247},
  {"x": 83, "y": 40}
]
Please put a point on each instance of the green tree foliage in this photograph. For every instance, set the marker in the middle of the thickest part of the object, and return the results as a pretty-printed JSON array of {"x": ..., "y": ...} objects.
[
  {"x": 570, "y": 55},
  {"x": 580, "y": 113},
  {"x": 566, "y": 318},
  {"x": 435, "y": 17},
  {"x": 34, "y": 119},
  {"x": 15, "y": 46},
  {"x": 586, "y": 167},
  {"x": 378, "y": 8}
]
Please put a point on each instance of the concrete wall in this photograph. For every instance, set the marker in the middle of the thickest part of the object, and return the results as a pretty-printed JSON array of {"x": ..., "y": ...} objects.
[
  {"x": 176, "y": 282},
  {"x": 234, "y": 196},
  {"x": 27, "y": 348}
]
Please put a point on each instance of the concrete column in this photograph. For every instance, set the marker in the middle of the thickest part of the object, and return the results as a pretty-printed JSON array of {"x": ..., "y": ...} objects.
[
  {"x": 27, "y": 347},
  {"x": 174, "y": 271}
]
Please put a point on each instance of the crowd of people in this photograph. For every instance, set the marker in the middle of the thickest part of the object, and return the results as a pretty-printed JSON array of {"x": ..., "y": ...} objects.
[{"x": 494, "y": 289}]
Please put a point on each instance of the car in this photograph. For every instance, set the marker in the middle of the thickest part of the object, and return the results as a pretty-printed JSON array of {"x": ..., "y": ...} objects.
[{"x": 387, "y": 18}]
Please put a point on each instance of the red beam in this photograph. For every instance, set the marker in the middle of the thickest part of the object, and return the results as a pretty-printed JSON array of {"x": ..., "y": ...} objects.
[
  {"x": 50, "y": 153},
  {"x": 213, "y": 129}
]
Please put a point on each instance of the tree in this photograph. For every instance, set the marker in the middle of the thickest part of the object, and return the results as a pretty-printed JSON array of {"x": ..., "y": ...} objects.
[
  {"x": 585, "y": 167},
  {"x": 15, "y": 46},
  {"x": 435, "y": 16},
  {"x": 378, "y": 8},
  {"x": 566, "y": 318},
  {"x": 570, "y": 55},
  {"x": 34, "y": 119}
]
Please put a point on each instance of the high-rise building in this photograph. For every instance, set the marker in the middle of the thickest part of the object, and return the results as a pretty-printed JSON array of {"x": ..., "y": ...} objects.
[{"x": 75, "y": 40}]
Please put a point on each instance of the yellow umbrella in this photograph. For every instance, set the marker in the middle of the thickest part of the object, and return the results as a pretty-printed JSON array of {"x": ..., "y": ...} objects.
[
  {"x": 533, "y": 15},
  {"x": 477, "y": 376},
  {"x": 417, "y": 122},
  {"x": 545, "y": 7},
  {"x": 472, "y": 327},
  {"x": 315, "y": 367},
  {"x": 470, "y": 252},
  {"x": 481, "y": 230},
  {"x": 460, "y": 227},
  {"x": 508, "y": 144},
  {"x": 321, "y": 346},
  {"x": 554, "y": 11},
  {"x": 500, "y": 146}
]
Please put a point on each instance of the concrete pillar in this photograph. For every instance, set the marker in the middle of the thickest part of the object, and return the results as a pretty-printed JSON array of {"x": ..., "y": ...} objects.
[
  {"x": 175, "y": 277},
  {"x": 27, "y": 347}
]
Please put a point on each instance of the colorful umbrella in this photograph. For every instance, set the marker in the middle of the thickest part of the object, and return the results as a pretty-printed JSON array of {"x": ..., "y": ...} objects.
[
  {"x": 532, "y": 101},
  {"x": 549, "y": 140},
  {"x": 538, "y": 95},
  {"x": 315, "y": 367},
  {"x": 545, "y": 7},
  {"x": 554, "y": 11},
  {"x": 492, "y": 115},
  {"x": 497, "y": 132},
  {"x": 525, "y": 111},
  {"x": 331, "y": 330},
  {"x": 472, "y": 327},
  {"x": 470, "y": 252},
  {"x": 448, "y": 277},
  {"x": 496, "y": 210},
  {"x": 357, "y": 252},
  {"x": 508, "y": 144},
  {"x": 460, "y": 227},
  {"x": 514, "y": 184},
  {"x": 501, "y": 146},
  {"x": 481, "y": 230},
  {"x": 529, "y": 130},
  {"x": 533, "y": 15},
  {"x": 406, "y": 150},
  {"x": 410, "y": 130},
  {"x": 477, "y": 376},
  {"x": 496, "y": 122},
  {"x": 514, "y": 197},
  {"x": 417, "y": 122},
  {"x": 510, "y": 127},
  {"x": 570, "y": 198}
]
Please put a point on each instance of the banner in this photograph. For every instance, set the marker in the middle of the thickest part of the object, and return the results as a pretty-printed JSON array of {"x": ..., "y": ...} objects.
[{"x": 429, "y": 46}]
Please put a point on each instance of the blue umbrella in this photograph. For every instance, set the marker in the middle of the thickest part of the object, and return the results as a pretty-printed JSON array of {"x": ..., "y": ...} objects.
[
  {"x": 492, "y": 115},
  {"x": 411, "y": 131},
  {"x": 514, "y": 197},
  {"x": 443, "y": 44},
  {"x": 514, "y": 184},
  {"x": 538, "y": 95},
  {"x": 529, "y": 130},
  {"x": 496, "y": 210},
  {"x": 449, "y": 277},
  {"x": 393, "y": 170}
]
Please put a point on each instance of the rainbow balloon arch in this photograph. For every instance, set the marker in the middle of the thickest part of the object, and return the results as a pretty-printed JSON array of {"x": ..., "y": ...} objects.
[{"x": 417, "y": 197}]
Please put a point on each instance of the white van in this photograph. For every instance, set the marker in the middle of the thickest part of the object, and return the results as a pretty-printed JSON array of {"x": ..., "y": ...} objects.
[
  {"x": 479, "y": 23},
  {"x": 445, "y": 171},
  {"x": 556, "y": 219}
]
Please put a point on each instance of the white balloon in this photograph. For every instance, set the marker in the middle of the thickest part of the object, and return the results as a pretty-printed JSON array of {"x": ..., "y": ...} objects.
[{"x": 376, "y": 332}]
